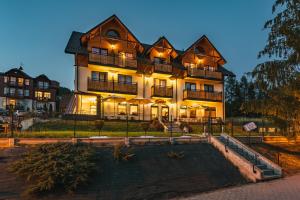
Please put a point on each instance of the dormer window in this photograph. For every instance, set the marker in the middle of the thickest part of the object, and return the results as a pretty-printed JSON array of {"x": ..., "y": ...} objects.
[{"x": 113, "y": 33}]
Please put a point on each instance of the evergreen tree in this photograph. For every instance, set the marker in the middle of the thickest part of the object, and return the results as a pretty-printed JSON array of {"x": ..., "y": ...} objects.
[{"x": 278, "y": 78}]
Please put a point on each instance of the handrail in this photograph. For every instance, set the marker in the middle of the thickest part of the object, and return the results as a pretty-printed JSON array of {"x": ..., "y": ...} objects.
[{"x": 273, "y": 165}]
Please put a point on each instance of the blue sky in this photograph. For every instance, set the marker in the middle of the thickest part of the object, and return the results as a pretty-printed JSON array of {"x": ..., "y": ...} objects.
[{"x": 35, "y": 32}]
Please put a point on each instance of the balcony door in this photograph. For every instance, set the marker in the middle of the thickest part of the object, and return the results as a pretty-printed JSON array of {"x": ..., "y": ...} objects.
[{"x": 190, "y": 86}]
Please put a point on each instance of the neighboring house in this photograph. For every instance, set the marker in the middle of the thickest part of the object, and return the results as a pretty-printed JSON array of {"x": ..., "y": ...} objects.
[
  {"x": 26, "y": 93},
  {"x": 113, "y": 69}
]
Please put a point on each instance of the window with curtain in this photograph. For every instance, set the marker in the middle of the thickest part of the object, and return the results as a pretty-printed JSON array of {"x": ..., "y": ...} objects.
[
  {"x": 208, "y": 88},
  {"x": 122, "y": 109},
  {"x": 133, "y": 109},
  {"x": 190, "y": 86},
  {"x": 125, "y": 79}
]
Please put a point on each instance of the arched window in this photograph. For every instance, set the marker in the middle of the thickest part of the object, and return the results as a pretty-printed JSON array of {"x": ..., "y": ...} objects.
[
  {"x": 113, "y": 33},
  {"x": 201, "y": 50}
]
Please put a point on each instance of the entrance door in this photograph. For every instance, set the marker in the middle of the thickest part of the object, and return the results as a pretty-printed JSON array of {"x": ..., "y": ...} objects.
[
  {"x": 154, "y": 112},
  {"x": 165, "y": 113}
]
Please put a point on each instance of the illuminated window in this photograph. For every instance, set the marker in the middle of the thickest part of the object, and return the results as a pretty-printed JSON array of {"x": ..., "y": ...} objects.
[
  {"x": 26, "y": 93},
  {"x": 20, "y": 81},
  {"x": 27, "y": 82},
  {"x": 193, "y": 113},
  {"x": 122, "y": 109},
  {"x": 20, "y": 92},
  {"x": 133, "y": 109},
  {"x": 113, "y": 33},
  {"x": 5, "y": 79},
  {"x": 183, "y": 112},
  {"x": 47, "y": 95},
  {"x": 38, "y": 94},
  {"x": 211, "y": 111}
]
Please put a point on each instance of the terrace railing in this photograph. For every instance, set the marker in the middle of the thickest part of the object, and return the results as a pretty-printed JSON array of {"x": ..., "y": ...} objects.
[
  {"x": 112, "y": 86},
  {"x": 162, "y": 91},
  {"x": 202, "y": 95},
  {"x": 201, "y": 73},
  {"x": 114, "y": 60}
]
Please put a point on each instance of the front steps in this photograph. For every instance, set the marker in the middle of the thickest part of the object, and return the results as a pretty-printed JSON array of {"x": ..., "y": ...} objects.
[{"x": 251, "y": 164}]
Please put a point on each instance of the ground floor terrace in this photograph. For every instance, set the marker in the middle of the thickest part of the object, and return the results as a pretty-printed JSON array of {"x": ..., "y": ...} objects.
[
  {"x": 121, "y": 107},
  {"x": 27, "y": 104}
]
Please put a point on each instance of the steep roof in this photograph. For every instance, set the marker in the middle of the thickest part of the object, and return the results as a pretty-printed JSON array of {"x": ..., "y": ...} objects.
[
  {"x": 74, "y": 44},
  {"x": 200, "y": 39},
  {"x": 17, "y": 72}
]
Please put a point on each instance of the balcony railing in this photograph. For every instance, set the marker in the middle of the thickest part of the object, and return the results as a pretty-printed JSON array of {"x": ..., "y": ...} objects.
[
  {"x": 112, "y": 87},
  {"x": 116, "y": 60},
  {"x": 202, "y": 95},
  {"x": 162, "y": 91},
  {"x": 164, "y": 68},
  {"x": 199, "y": 72}
]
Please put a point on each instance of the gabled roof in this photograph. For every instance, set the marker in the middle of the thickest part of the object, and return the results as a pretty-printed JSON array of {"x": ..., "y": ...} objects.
[
  {"x": 17, "y": 72},
  {"x": 162, "y": 38},
  {"x": 43, "y": 76},
  {"x": 200, "y": 39},
  {"x": 113, "y": 17},
  {"x": 74, "y": 44}
]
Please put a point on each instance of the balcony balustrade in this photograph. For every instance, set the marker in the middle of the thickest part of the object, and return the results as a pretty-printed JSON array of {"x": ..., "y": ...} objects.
[
  {"x": 114, "y": 60},
  {"x": 201, "y": 73},
  {"x": 202, "y": 95},
  {"x": 112, "y": 87},
  {"x": 162, "y": 91}
]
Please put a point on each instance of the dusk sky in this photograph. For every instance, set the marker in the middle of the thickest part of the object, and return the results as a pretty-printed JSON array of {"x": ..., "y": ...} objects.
[{"x": 35, "y": 33}]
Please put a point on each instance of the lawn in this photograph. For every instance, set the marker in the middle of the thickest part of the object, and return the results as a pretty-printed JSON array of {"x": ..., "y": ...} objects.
[
  {"x": 289, "y": 155},
  {"x": 150, "y": 175}
]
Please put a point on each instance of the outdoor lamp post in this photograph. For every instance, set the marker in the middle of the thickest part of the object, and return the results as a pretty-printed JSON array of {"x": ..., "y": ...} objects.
[{"x": 11, "y": 112}]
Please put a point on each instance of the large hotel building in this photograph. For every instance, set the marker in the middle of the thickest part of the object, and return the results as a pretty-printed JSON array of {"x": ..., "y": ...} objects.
[{"x": 118, "y": 76}]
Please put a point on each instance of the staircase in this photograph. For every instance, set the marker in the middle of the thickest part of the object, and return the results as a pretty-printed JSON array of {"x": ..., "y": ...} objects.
[
  {"x": 72, "y": 104},
  {"x": 170, "y": 127},
  {"x": 267, "y": 168}
]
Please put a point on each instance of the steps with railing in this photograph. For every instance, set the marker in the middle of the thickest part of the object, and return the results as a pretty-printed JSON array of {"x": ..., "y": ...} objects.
[{"x": 268, "y": 169}]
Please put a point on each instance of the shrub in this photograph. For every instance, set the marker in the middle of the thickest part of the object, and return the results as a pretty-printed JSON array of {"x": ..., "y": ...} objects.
[
  {"x": 175, "y": 155},
  {"x": 121, "y": 152},
  {"x": 157, "y": 125},
  {"x": 185, "y": 124},
  {"x": 99, "y": 125},
  {"x": 145, "y": 126},
  {"x": 55, "y": 167}
]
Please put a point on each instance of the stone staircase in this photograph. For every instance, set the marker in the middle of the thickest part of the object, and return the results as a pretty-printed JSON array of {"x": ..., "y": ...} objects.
[{"x": 267, "y": 168}]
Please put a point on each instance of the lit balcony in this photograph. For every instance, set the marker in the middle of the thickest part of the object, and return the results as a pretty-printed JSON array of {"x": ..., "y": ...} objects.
[
  {"x": 202, "y": 95},
  {"x": 112, "y": 87},
  {"x": 162, "y": 68},
  {"x": 162, "y": 91},
  {"x": 201, "y": 73},
  {"x": 117, "y": 61}
]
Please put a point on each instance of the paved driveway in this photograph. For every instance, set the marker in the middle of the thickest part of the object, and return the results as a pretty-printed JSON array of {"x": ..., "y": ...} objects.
[{"x": 281, "y": 189}]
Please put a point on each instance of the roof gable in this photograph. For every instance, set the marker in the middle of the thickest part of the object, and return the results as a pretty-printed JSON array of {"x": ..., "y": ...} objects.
[
  {"x": 97, "y": 30},
  {"x": 204, "y": 39},
  {"x": 164, "y": 44}
]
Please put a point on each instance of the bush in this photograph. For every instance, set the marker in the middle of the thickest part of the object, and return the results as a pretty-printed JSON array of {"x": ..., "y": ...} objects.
[
  {"x": 175, "y": 155},
  {"x": 157, "y": 125},
  {"x": 145, "y": 126},
  {"x": 185, "y": 124},
  {"x": 56, "y": 167},
  {"x": 122, "y": 153}
]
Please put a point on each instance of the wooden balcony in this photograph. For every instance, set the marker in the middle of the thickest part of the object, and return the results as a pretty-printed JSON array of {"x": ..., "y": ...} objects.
[
  {"x": 202, "y": 95},
  {"x": 163, "y": 68},
  {"x": 112, "y": 87},
  {"x": 116, "y": 61},
  {"x": 200, "y": 73},
  {"x": 162, "y": 91}
]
